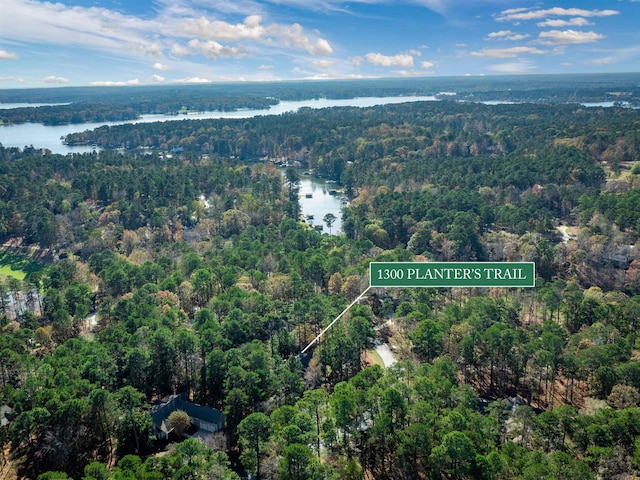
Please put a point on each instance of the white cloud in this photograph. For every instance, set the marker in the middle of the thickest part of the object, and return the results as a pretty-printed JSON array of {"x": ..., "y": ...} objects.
[
  {"x": 507, "y": 52},
  {"x": 265, "y": 67},
  {"x": 160, "y": 66},
  {"x": 622, "y": 56},
  {"x": 127, "y": 35},
  {"x": 409, "y": 73},
  {"x": 213, "y": 50},
  {"x": 568, "y": 37},
  {"x": 252, "y": 29},
  {"x": 338, "y": 5},
  {"x": 603, "y": 61},
  {"x": 12, "y": 79},
  {"x": 558, "y": 23},
  {"x": 180, "y": 51},
  {"x": 153, "y": 49},
  {"x": 513, "y": 68},
  {"x": 192, "y": 80},
  {"x": 54, "y": 79},
  {"x": 323, "y": 63},
  {"x": 109, "y": 83},
  {"x": 321, "y": 47},
  {"x": 438, "y": 6},
  {"x": 183, "y": 8},
  {"x": 4, "y": 55},
  {"x": 59, "y": 24},
  {"x": 231, "y": 78},
  {"x": 157, "y": 78},
  {"x": 294, "y": 36},
  {"x": 219, "y": 30},
  {"x": 334, "y": 76},
  {"x": 507, "y": 35},
  {"x": 400, "y": 60},
  {"x": 427, "y": 65},
  {"x": 513, "y": 11},
  {"x": 516, "y": 14}
]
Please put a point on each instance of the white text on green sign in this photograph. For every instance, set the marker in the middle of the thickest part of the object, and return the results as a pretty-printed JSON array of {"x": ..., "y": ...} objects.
[{"x": 452, "y": 274}]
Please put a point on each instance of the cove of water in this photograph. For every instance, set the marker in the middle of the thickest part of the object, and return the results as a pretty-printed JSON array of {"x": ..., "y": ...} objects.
[
  {"x": 604, "y": 104},
  {"x": 6, "y": 106},
  {"x": 316, "y": 200}
]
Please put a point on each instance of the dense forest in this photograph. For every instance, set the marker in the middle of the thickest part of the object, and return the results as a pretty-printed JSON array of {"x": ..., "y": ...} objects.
[
  {"x": 100, "y": 104},
  {"x": 178, "y": 264}
]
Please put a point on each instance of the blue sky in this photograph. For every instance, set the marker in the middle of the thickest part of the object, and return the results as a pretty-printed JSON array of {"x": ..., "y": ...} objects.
[{"x": 123, "y": 42}]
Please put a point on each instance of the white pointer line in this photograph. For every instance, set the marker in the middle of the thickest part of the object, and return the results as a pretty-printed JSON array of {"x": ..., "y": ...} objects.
[{"x": 337, "y": 318}]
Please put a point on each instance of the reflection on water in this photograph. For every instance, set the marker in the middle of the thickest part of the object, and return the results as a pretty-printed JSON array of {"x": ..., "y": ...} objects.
[
  {"x": 44, "y": 137},
  {"x": 6, "y": 106},
  {"x": 317, "y": 198}
]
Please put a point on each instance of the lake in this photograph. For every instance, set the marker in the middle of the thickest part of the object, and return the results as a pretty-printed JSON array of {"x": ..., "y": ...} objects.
[
  {"x": 605, "y": 104},
  {"x": 43, "y": 136},
  {"x": 5, "y": 106},
  {"x": 317, "y": 199}
]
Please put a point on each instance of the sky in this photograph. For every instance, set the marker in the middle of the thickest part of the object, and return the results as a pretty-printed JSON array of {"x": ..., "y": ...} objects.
[{"x": 154, "y": 42}]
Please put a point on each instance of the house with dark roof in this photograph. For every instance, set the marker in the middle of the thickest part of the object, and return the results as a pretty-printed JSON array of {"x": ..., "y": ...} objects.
[{"x": 205, "y": 418}]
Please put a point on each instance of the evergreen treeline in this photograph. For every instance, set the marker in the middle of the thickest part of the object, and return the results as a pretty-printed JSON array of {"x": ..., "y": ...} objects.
[
  {"x": 117, "y": 103},
  {"x": 446, "y": 172},
  {"x": 205, "y": 282}
]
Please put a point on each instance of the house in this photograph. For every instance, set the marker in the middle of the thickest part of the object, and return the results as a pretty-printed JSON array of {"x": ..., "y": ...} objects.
[
  {"x": 205, "y": 418},
  {"x": 620, "y": 260},
  {"x": 6, "y": 415}
]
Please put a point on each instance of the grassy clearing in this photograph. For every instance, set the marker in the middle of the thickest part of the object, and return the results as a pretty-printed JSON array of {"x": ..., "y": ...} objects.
[
  {"x": 373, "y": 358},
  {"x": 17, "y": 266},
  {"x": 625, "y": 171},
  {"x": 6, "y": 271}
]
